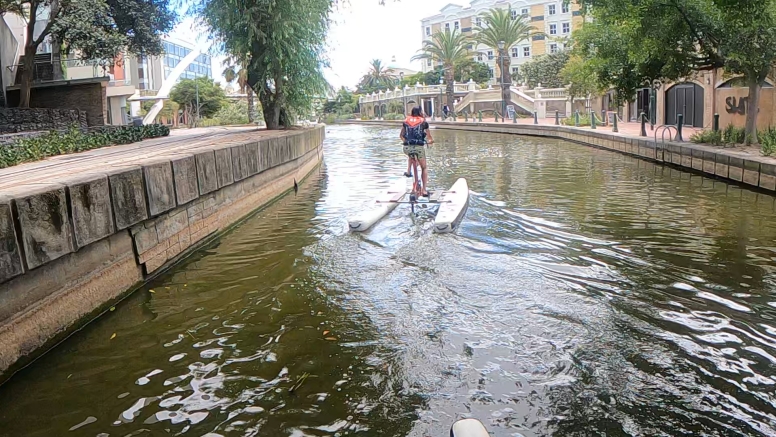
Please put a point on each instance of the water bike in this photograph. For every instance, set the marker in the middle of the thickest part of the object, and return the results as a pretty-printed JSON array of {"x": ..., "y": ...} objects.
[
  {"x": 468, "y": 428},
  {"x": 452, "y": 203}
]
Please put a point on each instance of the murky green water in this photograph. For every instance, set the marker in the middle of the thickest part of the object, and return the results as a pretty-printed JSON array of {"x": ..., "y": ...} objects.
[{"x": 586, "y": 293}]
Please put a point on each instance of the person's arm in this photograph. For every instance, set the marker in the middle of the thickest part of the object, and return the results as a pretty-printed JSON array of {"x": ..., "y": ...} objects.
[
  {"x": 402, "y": 136},
  {"x": 428, "y": 134}
]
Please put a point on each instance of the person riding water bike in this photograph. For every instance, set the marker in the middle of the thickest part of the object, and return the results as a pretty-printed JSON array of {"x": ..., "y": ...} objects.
[{"x": 414, "y": 132}]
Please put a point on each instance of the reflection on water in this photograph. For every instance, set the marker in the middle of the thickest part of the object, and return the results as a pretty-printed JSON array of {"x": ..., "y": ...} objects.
[{"x": 586, "y": 293}]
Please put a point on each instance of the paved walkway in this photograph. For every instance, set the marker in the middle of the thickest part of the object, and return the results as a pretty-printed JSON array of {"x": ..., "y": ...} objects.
[
  {"x": 625, "y": 128},
  {"x": 61, "y": 168}
]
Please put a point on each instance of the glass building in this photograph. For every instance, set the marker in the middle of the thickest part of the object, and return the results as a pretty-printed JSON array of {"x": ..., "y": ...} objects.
[{"x": 174, "y": 53}]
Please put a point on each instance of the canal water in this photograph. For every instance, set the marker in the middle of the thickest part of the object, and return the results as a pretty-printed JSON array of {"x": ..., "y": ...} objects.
[{"x": 586, "y": 293}]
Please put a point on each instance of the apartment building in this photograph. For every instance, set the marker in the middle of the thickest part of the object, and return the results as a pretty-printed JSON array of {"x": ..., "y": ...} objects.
[
  {"x": 149, "y": 72},
  {"x": 553, "y": 17}
]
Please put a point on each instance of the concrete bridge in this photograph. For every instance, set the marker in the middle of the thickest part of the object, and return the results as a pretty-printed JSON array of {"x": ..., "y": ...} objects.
[{"x": 469, "y": 98}]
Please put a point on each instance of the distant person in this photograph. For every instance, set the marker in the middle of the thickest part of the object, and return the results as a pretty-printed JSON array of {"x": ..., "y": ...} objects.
[
  {"x": 446, "y": 110},
  {"x": 414, "y": 132}
]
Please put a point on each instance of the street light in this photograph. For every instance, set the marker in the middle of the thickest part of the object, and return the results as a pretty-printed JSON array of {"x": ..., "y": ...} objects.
[
  {"x": 501, "y": 61},
  {"x": 441, "y": 82},
  {"x": 403, "y": 99}
]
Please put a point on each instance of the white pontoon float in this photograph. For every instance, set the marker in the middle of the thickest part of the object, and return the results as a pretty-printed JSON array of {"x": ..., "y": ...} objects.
[{"x": 452, "y": 206}]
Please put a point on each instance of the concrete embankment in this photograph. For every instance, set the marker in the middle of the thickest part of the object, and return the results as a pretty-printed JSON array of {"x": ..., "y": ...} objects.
[
  {"x": 73, "y": 245},
  {"x": 734, "y": 165}
]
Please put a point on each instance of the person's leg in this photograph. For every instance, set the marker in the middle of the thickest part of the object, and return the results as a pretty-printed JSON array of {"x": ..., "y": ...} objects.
[
  {"x": 407, "y": 151},
  {"x": 425, "y": 176}
]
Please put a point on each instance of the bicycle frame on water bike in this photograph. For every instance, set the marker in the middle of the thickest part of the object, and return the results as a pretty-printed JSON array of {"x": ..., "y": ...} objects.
[{"x": 417, "y": 183}]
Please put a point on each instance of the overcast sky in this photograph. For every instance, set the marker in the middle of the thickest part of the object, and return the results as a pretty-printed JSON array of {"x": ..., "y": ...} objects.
[{"x": 361, "y": 30}]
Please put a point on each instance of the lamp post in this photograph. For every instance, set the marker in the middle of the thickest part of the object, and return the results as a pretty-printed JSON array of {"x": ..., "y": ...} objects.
[
  {"x": 501, "y": 62},
  {"x": 403, "y": 99},
  {"x": 441, "y": 82}
]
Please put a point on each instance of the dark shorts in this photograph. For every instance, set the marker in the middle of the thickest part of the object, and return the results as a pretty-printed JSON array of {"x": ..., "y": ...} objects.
[{"x": 413, "y": 151}]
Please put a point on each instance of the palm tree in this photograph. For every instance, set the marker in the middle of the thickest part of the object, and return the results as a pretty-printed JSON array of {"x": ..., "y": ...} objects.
[
  {"x": 449, "y": 48},
  {"x": 501, "y": 32},
  {"x": 377, "y": 77},
  {"x": 241, "y": 76}
]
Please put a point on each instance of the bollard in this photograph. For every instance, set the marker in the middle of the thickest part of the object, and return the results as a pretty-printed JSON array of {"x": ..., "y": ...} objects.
[
  {"x": 466, "y": 115},
  {"x": 643, "y": 118},
  {"x": 715, "y": 126},
  {"x": 557, "y": 120},
  {"x": 455, "y": 117},
  {"x": 536, "y": 117},
  {"x": 479, "y": 114},
  {"x": 495, "y": 114},
  {"x": 576, "y": 119},
  {"x": 679, "y": 122},
  {"x": 614, "y": 127},
  {"x": 592, "y": 119},
  {"x": 514, "y": 117},
  {"x": 604, "y": 118}
]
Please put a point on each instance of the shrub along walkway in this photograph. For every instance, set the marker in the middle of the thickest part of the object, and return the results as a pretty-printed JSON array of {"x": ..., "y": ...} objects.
[{"x": 67, "y": 167}]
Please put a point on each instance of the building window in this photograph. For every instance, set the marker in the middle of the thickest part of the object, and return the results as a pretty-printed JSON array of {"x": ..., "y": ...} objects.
[
  {"x": 525, "y": 12},
  {"x": 447, "y": 26},
  {"x": 457, "y": 25},
  {"x": 514, "y": 14},
  {"x": 428, "y": 31},
  {"x": 515, "y": 70},
  {"x": 564, "y": 8},
  {"x": 479, "y": 57},
  {"x": 526, "y": 52},
  {"x": 514, "y": 52},
  {"x": 566, "y": 27},
  {"x": 428, "y": 62},
  {"x": 551, "y": 9},
  {"x": 553, "y": 48},
  {"x": 553, "y": 29},
  {"x": 478, "y": 22},
  {"x": 492, "y": 73},
  {"x": 490, "y": 55}
]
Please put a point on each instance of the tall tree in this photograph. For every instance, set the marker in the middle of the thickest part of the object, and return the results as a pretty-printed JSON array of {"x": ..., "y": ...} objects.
[
  {"x": 545, "y": 70},
  {"x": 449, "y": 48},
  {"x": 94, "y": 29},
  {"x": 281, "y": 43},
  {"x": 500, "y": 32},
  {"x": 377, "y": 78},
  {"x": 231, "y": 74},
  {"x": 737, "y": 35},
  {"x": 200, "y": 97}
]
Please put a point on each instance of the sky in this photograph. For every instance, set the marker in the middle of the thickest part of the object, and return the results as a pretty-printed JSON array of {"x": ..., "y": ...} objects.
[{"x": 361, "y": 30}]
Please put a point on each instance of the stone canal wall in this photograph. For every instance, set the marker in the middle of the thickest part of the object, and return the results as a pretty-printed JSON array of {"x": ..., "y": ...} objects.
[
  {"x": 734, "y": 165},
  {"x": 70, "y": 250}
]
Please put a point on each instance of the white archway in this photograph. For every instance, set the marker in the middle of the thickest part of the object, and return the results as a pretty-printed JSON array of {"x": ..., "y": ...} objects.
[{"x": 170, "y": 82}]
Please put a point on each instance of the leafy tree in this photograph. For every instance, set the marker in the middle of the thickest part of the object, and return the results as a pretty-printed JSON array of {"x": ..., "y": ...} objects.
[
  {"x": 470, "y": 69},
  {"x": 93, "y": 29},
  {"x": 499, "y": 28},
  {"x": 209, "y": 94},
  {"x": 231, "y": 74},
  {"x": 545, "y": 70},
  {"x": 168, "y": 111},
  {"x": 451, "y": 49},
  {"x": 345, "y": 103},
  {"x": 671, "y": 40},
  {"x": 579, "y": 75},
  {"x": 378, "y": 78},
  {"x": 281, "y": 43}
]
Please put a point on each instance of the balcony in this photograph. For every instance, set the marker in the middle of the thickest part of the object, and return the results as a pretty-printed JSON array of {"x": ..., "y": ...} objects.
[{"x": 48, "y": 70}]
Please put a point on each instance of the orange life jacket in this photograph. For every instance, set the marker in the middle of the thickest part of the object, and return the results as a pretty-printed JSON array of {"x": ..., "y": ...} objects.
[{"x": 413, "y": 130}]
